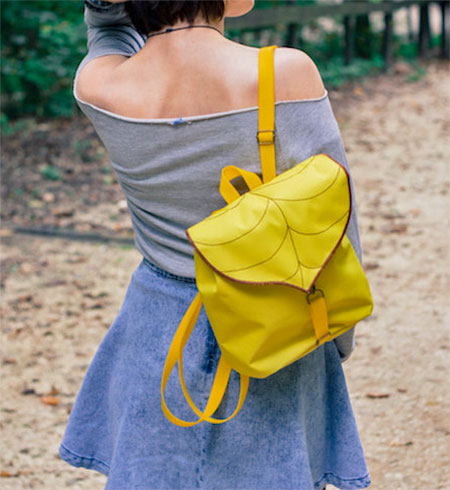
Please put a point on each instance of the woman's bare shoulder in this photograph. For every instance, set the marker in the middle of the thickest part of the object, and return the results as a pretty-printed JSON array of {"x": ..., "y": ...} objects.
[
  {"x": 88, "y": 88},
  {"x": 298, "y": 76}
]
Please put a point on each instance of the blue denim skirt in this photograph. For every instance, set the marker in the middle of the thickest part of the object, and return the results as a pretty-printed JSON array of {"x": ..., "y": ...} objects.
[{"x": 296, "y": 429}]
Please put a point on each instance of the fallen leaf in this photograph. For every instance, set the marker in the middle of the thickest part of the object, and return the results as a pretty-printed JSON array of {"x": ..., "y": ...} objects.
[
  {"x": 97, "y": 305},
  {"x": 79, "y": 284},
  {"x": 23, "y": 298},
  {"x": 28, "y": 391},
  {"x": 392, "y": 275},
  {"x": 443, "y": 430},
  {"x": 54, "y": 391},
  {"x": 399, "y": 444},
  {"x": 54, "y": 282},
  {"x": 101, "y": 294},
  {"x": 9, "y": 360},
  {"x": 393, "y": 215},
  {"x": 49, "y": 400},
  {"x": 82, "y": 354},
  {"x": 62, "y": 212},
  {"x": 76, "y": 260},
  {"x": 72, "y": 313},
  {"x": 378, "y": 395},
  {"x": 371, "y": 266},
  {"x": 395, "y": 228}
]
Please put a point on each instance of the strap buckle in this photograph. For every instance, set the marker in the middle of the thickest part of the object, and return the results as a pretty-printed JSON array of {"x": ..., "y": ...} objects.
[
  {"x": 267, "y": 139},
  {"x": 312, "y": 292}
]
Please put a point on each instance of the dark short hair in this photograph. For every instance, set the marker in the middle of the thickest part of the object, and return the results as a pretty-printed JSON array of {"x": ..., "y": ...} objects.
[{"x": 152, "y": 15}]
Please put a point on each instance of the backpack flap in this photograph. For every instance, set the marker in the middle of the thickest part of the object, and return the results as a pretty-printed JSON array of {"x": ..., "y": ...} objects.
[{"x": 283, "y": 232}]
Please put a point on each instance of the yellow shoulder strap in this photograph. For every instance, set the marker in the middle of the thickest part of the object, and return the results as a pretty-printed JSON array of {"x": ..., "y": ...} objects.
[
  {"x": 265, "y": 137},
  {"x": 266, "y": 112}
]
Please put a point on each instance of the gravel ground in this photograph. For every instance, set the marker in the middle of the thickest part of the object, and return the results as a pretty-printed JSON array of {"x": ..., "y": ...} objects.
[{"x": 60, "y": 296}]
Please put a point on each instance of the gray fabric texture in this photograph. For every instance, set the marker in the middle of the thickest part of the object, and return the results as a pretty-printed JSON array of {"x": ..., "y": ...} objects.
[{"x": 169, "y": 169}]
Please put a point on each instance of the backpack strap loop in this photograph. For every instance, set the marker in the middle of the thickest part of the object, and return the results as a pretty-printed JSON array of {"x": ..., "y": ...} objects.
[
  {"x": 217, "y": 392},
  {"x": 229, "y": 193},
  {"x": 220, "y": 383}
]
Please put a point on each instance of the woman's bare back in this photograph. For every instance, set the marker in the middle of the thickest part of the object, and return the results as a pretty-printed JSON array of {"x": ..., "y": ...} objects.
[{"x": 164, "y": 81}]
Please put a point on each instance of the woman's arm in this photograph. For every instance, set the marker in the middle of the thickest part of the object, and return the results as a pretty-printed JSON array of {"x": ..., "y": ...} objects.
[
  {"x": 345, "y": 343},
  {"x": 109, "y": 30}
]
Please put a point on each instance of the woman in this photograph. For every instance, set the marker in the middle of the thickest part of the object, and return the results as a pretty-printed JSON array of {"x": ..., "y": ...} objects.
[{"x": 173, "y": 108}]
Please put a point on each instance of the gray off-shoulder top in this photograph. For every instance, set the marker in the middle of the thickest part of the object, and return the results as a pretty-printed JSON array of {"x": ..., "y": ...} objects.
[{"x": 169, "y": 169}]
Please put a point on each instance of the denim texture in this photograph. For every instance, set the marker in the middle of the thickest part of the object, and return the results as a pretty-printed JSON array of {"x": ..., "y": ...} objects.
[{"x": 296, "y": 429}]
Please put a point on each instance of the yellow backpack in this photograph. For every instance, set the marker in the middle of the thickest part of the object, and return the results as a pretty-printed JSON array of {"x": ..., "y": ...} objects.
[{"x": 274, "y": 269}]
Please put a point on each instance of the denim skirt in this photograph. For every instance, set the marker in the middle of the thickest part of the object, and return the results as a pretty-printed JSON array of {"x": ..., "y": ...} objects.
[{"x": 296, "y": 429}]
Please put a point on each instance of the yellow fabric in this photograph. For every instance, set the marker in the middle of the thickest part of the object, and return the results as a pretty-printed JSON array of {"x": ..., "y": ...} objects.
[
  {"x": 319, "y": 316},
  {"x": 274, "y": 269},
  {"x": 266, "y": 113},
  {"x": 288, "y": 228},
  {"x": 262, "y": 328},
  {"x": 222, "y": 376},
  {"x": 229, "y": 193}
]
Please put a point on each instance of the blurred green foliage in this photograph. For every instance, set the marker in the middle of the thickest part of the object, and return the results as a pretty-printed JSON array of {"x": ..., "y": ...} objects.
[
  {"x": 50, "y": 172},
  {"x": 43, "y": 41},
  {"x": 41, "y": 44}
]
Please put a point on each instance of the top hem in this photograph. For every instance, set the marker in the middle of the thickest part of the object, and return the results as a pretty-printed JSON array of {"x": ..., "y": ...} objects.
[
  {"x": 181, "y": 119},
  {"x": 189, "y": 119}
]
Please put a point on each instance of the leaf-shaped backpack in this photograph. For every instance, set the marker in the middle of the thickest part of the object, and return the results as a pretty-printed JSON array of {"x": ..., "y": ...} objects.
[{"x": 275, "y": 271}]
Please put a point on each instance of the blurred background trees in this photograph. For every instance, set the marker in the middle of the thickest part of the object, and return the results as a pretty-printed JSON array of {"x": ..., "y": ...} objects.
[
  {"x": 43, "y": 41},
  {"x": 41, "y": 44}
]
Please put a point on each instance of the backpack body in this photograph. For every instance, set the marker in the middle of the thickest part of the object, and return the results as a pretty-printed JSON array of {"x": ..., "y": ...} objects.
[{"x": 264, "y": 260}]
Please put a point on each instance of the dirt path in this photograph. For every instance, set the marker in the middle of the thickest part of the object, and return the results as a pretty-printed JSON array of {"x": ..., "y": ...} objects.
[
  {"x": 60, "y": 296},
  {"x": 398, "y": 144}
]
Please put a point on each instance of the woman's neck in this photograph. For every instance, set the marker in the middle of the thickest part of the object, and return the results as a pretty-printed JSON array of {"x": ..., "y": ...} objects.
[{"x": 185, "y": 38}]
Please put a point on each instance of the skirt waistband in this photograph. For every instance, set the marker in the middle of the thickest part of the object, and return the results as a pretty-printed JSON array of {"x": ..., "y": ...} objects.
[{"x": 161, "y": 272}]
